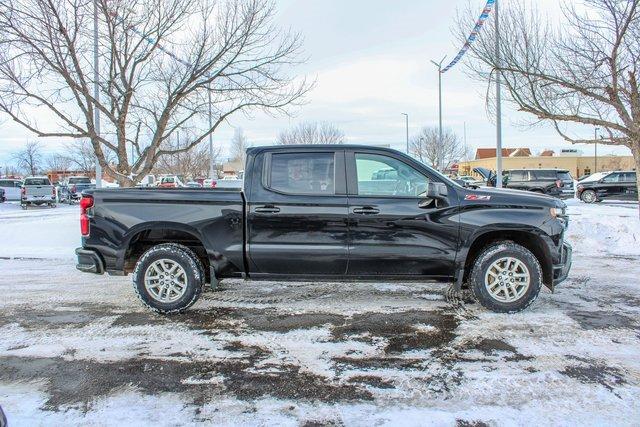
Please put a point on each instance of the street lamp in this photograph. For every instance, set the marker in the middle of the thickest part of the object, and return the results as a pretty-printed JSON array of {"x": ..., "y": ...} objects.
[
  {"x": 439, "y": 152},
  {"x": 498, "y": 102},
  {"x": 406, "y": 116},
  {"x": 595, "y": 137}
]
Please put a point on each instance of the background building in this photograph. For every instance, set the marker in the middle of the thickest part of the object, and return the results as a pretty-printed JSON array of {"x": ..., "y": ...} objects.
[{"x": 521, "y": 158}]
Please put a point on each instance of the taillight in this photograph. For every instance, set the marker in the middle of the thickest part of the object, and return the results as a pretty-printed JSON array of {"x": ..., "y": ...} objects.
[
  {"x": 23, "y": 191},
  {"x": 214, "y": 183},
  {"x": 53, "y": 191},
  {"x": 559, "y": 183},
  {"x": 85, "y": 203},
  {"x": 74, "y": 189}
]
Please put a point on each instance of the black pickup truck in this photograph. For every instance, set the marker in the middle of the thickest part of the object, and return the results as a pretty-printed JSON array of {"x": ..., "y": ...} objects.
[{"x": 327, "y": 212}]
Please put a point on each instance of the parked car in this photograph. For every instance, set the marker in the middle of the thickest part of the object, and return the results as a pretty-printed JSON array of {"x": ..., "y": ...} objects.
[
  {"x": 303, "y": 214},
  {"x": 37, "y": 190},
  {"x": 225, "y": 182},
  {"x": 74, "y": 187},
  {"x": 193, "y": 184},
  {"x": 553, "y": 182},
  {"x": 608, "y": 185},
  {"x": 170, "y": 182},
  {"x": 11, "y": 187}
]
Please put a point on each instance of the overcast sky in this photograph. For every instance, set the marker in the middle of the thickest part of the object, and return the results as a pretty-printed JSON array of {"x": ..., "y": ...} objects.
[{"x": 371, "y": 61}]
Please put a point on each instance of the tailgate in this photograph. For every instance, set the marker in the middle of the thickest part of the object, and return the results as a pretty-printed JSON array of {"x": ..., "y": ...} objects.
[{"x": 38, "y": 190}]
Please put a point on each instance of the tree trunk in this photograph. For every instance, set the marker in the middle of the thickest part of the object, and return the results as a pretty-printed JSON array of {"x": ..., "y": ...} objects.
[{"x": 635, "y": 149}]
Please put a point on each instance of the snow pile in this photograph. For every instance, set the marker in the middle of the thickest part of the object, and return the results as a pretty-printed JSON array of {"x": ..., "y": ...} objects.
[
  {"x": 604, "y": 228},
  {"x": 39, "y": 232}
]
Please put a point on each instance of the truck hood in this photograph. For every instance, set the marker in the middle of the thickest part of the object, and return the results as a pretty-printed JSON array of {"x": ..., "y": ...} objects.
[{"x": 504, "y": 196}]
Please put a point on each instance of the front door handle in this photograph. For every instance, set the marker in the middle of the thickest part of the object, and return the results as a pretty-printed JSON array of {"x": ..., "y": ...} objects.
[
  {"x": 267, "y": 209},
  {"x": 366, "y": 210}
]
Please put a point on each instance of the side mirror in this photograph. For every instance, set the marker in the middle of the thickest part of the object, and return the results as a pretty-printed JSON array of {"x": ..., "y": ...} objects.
[{"x": 435, "y": 191}]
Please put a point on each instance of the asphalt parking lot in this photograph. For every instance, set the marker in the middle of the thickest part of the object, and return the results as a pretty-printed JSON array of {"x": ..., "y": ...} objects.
[{"x": 81, "y": 349}]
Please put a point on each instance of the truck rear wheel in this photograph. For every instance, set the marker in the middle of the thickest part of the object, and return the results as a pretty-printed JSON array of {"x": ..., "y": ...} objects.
[
  {"x": 506, "y": 277},
  {"x": 168, "y": 278}
]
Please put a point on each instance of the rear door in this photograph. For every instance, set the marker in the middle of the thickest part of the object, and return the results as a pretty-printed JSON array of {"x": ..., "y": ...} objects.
[
  {"x": 297, "y": 213},
  {"x": 629, "y": 188},
  {"x": 392, "y": 232}
]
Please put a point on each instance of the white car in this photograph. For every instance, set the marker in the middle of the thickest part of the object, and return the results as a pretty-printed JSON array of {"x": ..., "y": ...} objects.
[{"x": 225, "y": 182}]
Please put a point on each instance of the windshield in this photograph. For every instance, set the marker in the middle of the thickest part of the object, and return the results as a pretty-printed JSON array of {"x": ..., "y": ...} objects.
[{"x": 595, "y": 177}]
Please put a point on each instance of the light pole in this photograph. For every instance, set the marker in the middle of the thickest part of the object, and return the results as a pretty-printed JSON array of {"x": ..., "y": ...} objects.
[
  {"x": 96, "y": 88},
  {"x": 211, "y": 166},
  {"x": 438, "y": 157},
  {"x": 498, "y": 103},
  {"x": 595, "y": 137},
  {"x": 406, "y": 116}
]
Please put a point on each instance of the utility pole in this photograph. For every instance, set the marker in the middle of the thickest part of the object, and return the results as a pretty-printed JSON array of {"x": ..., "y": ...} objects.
[
  {"x": 96, "y": 88},
  {"x": 439, "y": 159},
  {"x": 498, "y": 103},
  {"x": 211, "y": 165},
  {"x": 595, "y": 136},
  {"x": 406, "y": 116}
]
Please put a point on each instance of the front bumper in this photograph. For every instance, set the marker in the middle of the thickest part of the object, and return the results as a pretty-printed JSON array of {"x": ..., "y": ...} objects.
[
  {"x": 561, "y": 270},
  {"x": 89, "y": 261}
]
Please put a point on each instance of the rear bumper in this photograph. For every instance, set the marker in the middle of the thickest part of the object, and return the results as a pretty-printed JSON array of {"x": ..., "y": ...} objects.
[
  {"x": 38, "y": 199},
  {"x": 89, "y": 261},
  {"x": 561, "y": 270}
]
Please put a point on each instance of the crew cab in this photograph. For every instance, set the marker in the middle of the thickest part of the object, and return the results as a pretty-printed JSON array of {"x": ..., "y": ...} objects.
[{"x": 327, "y": 212}]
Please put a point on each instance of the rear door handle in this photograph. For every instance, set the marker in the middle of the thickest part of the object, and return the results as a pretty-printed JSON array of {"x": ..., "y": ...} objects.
[
  {"x": 267, "y": 209},
  {"x": 366, "y": 210}
]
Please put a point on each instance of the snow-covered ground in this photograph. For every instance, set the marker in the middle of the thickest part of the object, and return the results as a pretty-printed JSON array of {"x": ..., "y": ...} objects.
[{"x": 80, "y": 349}]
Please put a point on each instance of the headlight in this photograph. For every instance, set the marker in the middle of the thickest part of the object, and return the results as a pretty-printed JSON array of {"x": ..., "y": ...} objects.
[{"x": 553, "y": 212}]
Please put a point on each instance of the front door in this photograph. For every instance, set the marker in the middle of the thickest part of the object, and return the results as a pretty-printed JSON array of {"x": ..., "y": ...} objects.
[
  {"x": 393, "y": 231},
  {"x": 297, "y": 214}
]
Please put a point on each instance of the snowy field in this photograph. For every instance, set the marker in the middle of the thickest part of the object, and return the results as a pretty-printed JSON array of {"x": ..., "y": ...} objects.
[{"x": 80, "y": 349}]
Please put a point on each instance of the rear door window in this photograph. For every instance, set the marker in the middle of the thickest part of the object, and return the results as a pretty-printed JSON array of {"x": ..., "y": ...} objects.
[
  {"x": 628, "y": 177},
  {"x": 518, "y": 176},
  {"x": 614, "y": 177},
  {"x": 303, "y": 173}
]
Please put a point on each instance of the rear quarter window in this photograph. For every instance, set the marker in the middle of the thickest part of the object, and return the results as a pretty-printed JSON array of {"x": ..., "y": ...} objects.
[{"x": 565, "y": 176}]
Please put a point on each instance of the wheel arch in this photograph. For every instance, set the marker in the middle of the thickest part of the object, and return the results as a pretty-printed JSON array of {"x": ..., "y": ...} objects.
[
  {"x": 143, "y": 236},
  {"x": 530, "y": 238}
]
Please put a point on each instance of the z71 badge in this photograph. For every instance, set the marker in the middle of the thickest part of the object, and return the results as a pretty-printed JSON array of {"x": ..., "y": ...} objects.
[{"x": 475, "y": 197}]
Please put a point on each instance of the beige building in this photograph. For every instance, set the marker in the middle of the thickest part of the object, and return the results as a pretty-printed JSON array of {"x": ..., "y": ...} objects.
[{"x": 577, "y": 165}]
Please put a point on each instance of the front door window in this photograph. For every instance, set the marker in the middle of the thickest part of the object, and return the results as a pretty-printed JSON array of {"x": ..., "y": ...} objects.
[{"x": 385, "y": 176}]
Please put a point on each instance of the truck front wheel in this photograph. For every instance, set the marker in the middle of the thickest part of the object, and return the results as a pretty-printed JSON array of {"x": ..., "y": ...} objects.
[
  {"x": 506, "y": 277},
  {"x": 168, "y": 278}
]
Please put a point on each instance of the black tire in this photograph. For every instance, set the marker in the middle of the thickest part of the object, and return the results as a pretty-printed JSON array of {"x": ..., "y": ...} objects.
[
  {"x": 190, "y": 263},
  {"x": 590, "y": 196},
  {"x": 487, "y": 257}
]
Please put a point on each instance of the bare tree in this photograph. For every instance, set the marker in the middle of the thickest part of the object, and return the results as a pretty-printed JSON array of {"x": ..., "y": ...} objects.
[
  {"x": 58, "y": 162},
  {"x": 580, "y": 71},
  {"x": 312, "y": 133},
  {"x": 426, "y": 147},
  {"x": 192, "y": 163},
  {"x": 238, "y": 146},
  {"x": 163, "y": 64},
  {"x": 29, "y": 159}
]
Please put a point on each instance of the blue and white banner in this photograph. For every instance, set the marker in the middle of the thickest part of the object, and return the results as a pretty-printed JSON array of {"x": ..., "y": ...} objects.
[{"x": 474, "y": 33}]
